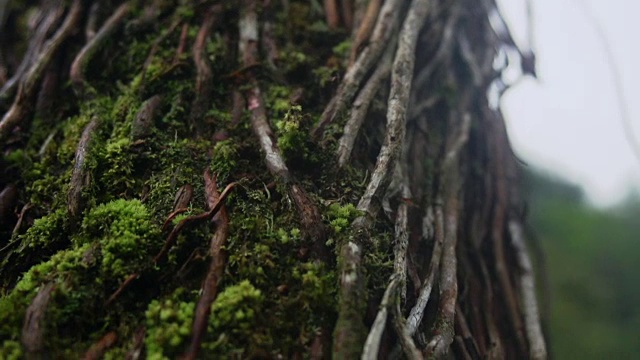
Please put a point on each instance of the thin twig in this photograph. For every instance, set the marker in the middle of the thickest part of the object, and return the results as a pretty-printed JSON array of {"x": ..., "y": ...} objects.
[{"x": 78, "y": 67}]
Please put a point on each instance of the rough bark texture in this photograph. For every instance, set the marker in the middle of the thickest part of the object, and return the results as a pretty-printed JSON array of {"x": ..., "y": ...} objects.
[{"x": 370, "y": 204}]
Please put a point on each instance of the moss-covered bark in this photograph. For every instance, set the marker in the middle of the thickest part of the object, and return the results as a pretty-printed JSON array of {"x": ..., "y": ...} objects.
[{"x": 116, "y": 151}]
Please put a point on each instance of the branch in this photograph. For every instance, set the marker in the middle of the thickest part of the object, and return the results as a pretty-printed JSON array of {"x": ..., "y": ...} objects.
[{"x": 78, "y": 67}]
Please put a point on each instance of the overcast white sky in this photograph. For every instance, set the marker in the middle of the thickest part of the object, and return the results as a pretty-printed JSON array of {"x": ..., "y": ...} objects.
[{"x": 569, "y": 121}]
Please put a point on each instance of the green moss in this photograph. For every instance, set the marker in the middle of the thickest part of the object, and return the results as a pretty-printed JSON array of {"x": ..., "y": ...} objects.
[
  {"x": 341, "y": 216},
  {"x": 224, "y": 160},
  {"x": 11, "y": 350},
  {"x": 168, "y": 325},
  {"x": 126, "y": 234}
]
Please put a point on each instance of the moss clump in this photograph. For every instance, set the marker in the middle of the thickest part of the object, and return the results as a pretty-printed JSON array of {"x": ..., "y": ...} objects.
[
  {"x": 340, "y": 216},
  {"x": 125, "y": 233},
  {"x": 233, "y": 316},
  {"x": 168, "y": 325},
  {"x": 10, "y": 350},
  {"x": 46, "y": 232}
]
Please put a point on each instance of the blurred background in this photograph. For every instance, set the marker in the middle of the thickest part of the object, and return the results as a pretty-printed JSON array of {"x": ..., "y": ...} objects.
[{"x": 582, "y": 177}]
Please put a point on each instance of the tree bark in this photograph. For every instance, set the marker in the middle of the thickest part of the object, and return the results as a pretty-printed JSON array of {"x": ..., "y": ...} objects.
[{"x": 359, "y": 197}]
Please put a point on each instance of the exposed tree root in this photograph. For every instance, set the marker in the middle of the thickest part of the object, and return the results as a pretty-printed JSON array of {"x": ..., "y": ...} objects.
[
  {"x": 80, "y": 178},
  {"x": 310, "y": 216},
  {"x": 331, "y": 13},
  {"x": 27, "y": 89},
  {"x": 537, "y": 347},
  {"x": 97, "y": 350},
  {"x": 33, "y": 329},
  {"x": 143, "y": 124},
  {"x": 385, "y": 28},
  {"x": 76, "y": 74},
  {"x": 8, "y": 199},
  {"x": 204, "y": 77},
  {"x": 365, "y": 29},
  {"x": 216, "y": 268},
  {"x": 136, "y": 351},
  {"x": 361, "y": 106},
  {"x": 372, "y": 344},
  {"x": 171, "y": 239}
]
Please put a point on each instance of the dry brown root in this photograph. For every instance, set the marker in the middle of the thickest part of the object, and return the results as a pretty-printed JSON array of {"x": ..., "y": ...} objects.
[
  {"x": 310, "y": 216},
  {"x": 80, "y": 179},
  {"x": 171, "y": 239},
  {"x": 364, "y": 29},
  {"x": 33, "y": 329},
  {"x": 27, "y": 89},
  {"x": 331, "y": 13},
  {"x": 215, "y": 271},
  {"x": 97, "y": 350},
  {"x": 81, "y": 61},
  {"x": 204, "y": 77}
]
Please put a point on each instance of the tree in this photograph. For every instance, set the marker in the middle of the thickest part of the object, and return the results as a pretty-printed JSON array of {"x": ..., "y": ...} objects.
[{"x": 261, "y": 179}]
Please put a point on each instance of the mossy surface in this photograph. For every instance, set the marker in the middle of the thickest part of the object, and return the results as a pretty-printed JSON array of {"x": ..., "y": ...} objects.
[{"x": 274, "y": 299}]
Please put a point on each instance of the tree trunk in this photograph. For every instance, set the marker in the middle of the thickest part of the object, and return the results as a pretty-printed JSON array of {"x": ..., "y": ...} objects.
[{"x": 260, "y": 179}]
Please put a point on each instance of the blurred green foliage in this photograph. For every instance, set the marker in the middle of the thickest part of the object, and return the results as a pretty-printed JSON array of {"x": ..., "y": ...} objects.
[{"x": 592, "y": 260}]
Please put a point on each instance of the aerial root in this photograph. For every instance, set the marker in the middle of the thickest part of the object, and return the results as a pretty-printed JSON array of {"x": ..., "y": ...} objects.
[
  {"x": 78, "y": 67},
  {"x": 215, "y": 271},
  {"x": 372, "y": 344},
  {"x": 23, "y": 102},
  {"x": 444, "y": 332},
  {"x": 361, "y": 106},
  {"x": 385, "y": 29},
  {"x": 528, "y": 292},
  {"x": 417, "y": 311}
]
